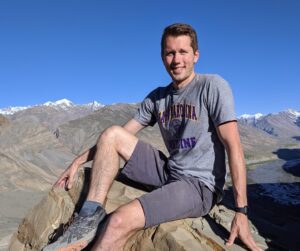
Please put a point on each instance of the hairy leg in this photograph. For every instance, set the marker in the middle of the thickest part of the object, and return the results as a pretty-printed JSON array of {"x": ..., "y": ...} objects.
[
  {"x": 113, "y": 143},
  {"x": 124, "y": 222}
]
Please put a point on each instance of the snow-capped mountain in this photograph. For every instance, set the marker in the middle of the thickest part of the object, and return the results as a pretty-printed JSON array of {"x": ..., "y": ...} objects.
[
  {"x": 51, "y": 114},
  {"x": 67, "y": 104},
  {"x": 249, "y": 116},
  {"x": 295, "y": 115},
  {"x": 292, "y": 113},
  {"x": 11, "y": 110},
  {"x": 63, "y": 104},
  {"x": 250, "y": 119},
  {"x": 285, "y": 124}
]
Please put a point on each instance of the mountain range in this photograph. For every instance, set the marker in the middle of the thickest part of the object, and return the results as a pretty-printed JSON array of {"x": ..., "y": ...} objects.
[
  {"x": 37, "y": 143},
  {"x": 51, "y": 114},
  {"x": 62, "y": 104},
  {"x": 284, "y": 125}
]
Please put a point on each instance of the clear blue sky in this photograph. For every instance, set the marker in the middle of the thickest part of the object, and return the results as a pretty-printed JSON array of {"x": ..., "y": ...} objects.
[{"x": 109, "y": 51}]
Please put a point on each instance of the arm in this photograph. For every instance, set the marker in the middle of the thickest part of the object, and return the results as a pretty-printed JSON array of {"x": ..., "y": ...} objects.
[
  {"x": 229, "y": 135},
  {"x": 133, "y": 126},
  {"x": 67, "y": 177}
]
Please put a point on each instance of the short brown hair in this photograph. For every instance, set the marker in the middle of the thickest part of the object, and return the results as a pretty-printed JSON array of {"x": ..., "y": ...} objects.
[{"x": 179, "y": 29}]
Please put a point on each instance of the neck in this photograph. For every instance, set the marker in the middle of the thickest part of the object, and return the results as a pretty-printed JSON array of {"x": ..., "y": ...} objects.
[{"x": 183, "y": 83}]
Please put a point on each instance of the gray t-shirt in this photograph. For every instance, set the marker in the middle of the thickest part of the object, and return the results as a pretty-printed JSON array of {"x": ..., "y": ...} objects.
[{"x": 187, "y": 119}]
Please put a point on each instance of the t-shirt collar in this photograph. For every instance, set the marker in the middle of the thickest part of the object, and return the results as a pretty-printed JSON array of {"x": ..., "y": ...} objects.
[{"x": 181, "y": 90}]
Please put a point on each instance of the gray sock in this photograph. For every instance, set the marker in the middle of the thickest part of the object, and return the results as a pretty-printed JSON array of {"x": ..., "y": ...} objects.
[{"x": 89, "y": 207}]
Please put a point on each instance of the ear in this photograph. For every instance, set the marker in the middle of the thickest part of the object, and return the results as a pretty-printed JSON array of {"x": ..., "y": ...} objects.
[{"x": 197, "y": 55}]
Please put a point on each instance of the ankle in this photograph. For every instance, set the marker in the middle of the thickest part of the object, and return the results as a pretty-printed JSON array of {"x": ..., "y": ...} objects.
[{"x": 89, "y": 207}]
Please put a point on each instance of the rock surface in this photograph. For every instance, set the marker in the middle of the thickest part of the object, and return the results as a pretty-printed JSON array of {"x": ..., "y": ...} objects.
[{"x": 48, "y": 218}]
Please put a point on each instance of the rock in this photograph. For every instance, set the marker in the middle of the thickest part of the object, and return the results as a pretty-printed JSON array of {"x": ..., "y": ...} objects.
[
  {"x": 48, "y": 218},
  {"x": 4, "y": 123},
  {"x": 293, "y": 167}
]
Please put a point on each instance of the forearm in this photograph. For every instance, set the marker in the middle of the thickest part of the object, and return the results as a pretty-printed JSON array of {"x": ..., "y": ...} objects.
[
  {"x": 86, "y": 156},
  {"x": 230, "y": 138},
  {"x": 238, "y": 175}
]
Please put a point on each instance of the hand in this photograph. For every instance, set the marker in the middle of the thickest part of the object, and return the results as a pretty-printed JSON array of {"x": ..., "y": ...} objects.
[
  {"x": 240, "y": 229},
  {"x": 66, "y": 179}
]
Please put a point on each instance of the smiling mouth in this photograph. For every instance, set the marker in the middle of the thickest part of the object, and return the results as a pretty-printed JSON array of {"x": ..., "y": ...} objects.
[{"x": 177, "y": 69}]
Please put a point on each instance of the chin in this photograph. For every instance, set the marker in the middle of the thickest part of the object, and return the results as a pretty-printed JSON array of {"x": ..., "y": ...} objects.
[{"x": 178, "y": 79}]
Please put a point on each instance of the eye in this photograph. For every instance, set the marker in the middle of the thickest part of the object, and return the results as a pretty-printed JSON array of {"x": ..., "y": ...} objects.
[
  {"x": 183, "y": 52},
  {"x": 169, "y": 53}
]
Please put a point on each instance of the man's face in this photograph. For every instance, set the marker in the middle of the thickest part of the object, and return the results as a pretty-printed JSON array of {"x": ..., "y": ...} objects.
[{"x": 179, "y": 59}]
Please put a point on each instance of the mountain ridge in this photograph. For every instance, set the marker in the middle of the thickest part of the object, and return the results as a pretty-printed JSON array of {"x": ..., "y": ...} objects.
[
  {"x": 59, "y": 104},
  {"x": 284, "y": 125},
  {"x": 52, "y": 114}
]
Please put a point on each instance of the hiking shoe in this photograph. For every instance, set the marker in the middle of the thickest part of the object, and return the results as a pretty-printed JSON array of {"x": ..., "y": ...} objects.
[{"x": 79, "y": 234}]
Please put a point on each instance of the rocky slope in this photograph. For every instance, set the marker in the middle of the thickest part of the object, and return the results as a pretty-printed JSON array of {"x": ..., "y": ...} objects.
[
  {"x": 30, "y": 156},
  {"x": 54, "y": 211},
  {"x": 258, "y": 145},
  {"x": 82, "y": 133},
  {"x": 4, "y": 122},
  {"x": 283, "y": 125}
]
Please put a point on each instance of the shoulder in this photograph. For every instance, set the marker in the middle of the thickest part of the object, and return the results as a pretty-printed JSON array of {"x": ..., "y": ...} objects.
[
  {"x": 212, "y": 83},
  {"x": 212, "y": 80}
]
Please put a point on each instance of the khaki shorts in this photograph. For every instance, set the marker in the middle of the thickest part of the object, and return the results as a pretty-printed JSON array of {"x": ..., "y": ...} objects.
[{"x": 175, "y": 197}]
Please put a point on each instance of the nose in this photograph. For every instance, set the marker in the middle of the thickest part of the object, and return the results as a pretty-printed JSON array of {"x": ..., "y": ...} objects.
[{"x": 176, "y": 58}]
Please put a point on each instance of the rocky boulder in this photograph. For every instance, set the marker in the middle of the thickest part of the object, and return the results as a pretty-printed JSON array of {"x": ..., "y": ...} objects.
[{"x": 47, "y": 220}]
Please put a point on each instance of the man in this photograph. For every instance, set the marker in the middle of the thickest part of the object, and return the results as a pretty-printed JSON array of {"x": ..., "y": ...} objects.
[{"x": 196, "y": 118}]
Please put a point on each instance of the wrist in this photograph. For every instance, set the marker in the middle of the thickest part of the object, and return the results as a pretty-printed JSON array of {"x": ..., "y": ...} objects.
[
  {"x": 244, "y": 210},
  {"x": 77, "y": 162}
]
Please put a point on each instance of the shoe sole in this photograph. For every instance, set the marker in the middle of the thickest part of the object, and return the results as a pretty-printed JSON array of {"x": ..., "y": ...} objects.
[{"x": 75, "y": 246}]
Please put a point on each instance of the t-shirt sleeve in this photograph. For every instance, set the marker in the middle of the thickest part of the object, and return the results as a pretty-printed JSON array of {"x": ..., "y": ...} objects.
[
  {"x": 220, "y": 102},
  {"x": 145, "y": 114}
]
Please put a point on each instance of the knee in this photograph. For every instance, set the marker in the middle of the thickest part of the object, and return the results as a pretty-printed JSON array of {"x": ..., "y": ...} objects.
[
  {"x": 116, "y": 222},
  {"x": 110, "y": 134},
  {"x": 127, "y": 219}
]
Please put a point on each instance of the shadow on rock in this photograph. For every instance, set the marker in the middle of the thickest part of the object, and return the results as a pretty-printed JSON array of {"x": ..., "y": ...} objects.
[
  {"x": 293, "y": 167},
  {"x": 298, "y": 121},
  {"x": 276, "y": 221},
  {"x": 292, "y": 156},
  {"x": 288, "y": 154}
]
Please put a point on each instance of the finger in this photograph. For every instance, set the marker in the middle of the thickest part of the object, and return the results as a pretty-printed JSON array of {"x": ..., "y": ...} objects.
[
  {"x": 59, "y": 184},
  {"x": 62, "y": 184},
  {"x": 70, "y": 181},
  {"x": 232, "y": 237},
  {"x": 56, "y": 184},
  {"x": 250, "y": 243},
  {"x": 66, "y": 185},
  {"x": 60, "y": 179},
  {"x": 247, "y": 239}
]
